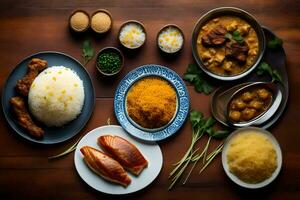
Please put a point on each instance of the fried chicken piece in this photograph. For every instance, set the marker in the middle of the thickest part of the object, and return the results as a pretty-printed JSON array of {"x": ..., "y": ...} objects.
[
  {"x": 35, "y": 66},
  {"x": 23, "y": 117}
]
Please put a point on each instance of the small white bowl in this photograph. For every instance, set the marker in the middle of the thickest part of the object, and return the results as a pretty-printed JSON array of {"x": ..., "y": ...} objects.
[{"x": 235, "y": 178}]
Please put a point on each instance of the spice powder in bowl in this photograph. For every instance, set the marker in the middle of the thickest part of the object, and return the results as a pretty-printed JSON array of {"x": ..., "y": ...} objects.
[
  {"x": 79, "y": 21},
  {"x": 151, "y": 102},
  {"x": 101, "y": 21}
]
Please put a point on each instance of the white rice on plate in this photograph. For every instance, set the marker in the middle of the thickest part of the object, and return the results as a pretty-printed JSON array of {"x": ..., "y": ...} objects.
[{"x": 56, "y": 96}]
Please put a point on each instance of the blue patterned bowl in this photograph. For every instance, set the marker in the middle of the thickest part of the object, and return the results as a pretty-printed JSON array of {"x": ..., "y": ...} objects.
[{"x": 179, "y": 117}]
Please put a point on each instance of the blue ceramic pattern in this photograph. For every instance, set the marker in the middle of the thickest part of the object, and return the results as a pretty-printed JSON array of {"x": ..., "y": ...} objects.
[
  {"x": 182, "y": 97},
  {"x": 54, "y": 134}
]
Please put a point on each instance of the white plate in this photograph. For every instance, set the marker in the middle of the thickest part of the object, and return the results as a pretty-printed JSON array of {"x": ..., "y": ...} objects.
[
  {"x": 235, "y": 178},
  {"x": 151, "y": 152}
]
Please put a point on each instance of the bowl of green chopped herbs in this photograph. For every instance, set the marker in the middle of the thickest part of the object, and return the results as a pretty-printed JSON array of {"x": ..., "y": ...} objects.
[{"x": 110, "y": 61}]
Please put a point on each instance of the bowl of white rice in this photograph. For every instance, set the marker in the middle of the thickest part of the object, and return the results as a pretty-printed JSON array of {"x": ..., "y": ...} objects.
[
  {"x": 170, "y": 39},
  {"x": 56, "y": 96},
  {"x": 132, "y": 34}
]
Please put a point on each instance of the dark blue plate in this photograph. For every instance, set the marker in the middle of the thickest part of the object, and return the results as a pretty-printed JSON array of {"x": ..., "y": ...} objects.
[
  {"x": 180, "y": 115},
  {"x": 52, "y": 135}
]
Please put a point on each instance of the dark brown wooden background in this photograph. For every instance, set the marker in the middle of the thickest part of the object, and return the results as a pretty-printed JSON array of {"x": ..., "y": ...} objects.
[{"x": 31, "y": 26}]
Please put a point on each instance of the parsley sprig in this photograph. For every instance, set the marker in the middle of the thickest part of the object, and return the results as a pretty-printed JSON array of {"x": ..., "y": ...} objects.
[
  {"x": 265, "y": 68},
  {"x": 87, "y": 51},
  {"x": 195, "y": 76},
  {"x": 235, "y": 36},
  {"x": 201, "y": 126},
  {"x": 274, "y": 43}
]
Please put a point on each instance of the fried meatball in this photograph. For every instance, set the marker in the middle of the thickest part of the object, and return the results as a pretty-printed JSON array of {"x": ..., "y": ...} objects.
[
  {"x": 238, "y": 104},
  {"x": 235, "y": 115},
  {"x": 257, "y": 105},
  {"x": 248, "y": 113},
  {"x": 263, "y": 94},
  {"x": 247, "y": 96}
]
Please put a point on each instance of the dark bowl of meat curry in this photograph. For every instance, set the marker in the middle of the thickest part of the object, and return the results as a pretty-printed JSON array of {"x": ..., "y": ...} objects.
[{"x": 228, "y": 43}]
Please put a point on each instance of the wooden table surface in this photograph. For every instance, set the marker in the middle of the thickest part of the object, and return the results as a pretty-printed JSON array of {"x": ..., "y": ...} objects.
[{"x": 27, "y": 27}]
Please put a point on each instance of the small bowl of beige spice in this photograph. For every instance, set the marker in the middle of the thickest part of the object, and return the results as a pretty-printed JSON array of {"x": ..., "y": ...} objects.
[
  {"x": 79, "y": 21},
  {"x": 101, "y": 21}
]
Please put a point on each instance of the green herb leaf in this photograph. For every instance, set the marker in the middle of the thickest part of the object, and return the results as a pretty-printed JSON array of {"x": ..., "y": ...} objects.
[
  {"x": 210, "y": 131},
  {"x": 237, "y": 37},
  {"x": 209, "y": 123},
  {"x": 228, "y": 36},
  {"x": 87, "y": 51},
  {"x": 193, "y": 69},
  {"x": 259, "y": 72},
  {"x": 195, "y": 117},
  {"x": 207, "y": 88},
  {"x": 196, "y": 77},
  {"x": 198, "y": 85},
  {"x": 265, "y": 68},
  {"x": 217, "y": 134},
  {"x": 276, "y": 76},
  {"x": 190, "y": 77},
  {"x": 274, "y": 43},
  {"x": 220, "y": 134}
]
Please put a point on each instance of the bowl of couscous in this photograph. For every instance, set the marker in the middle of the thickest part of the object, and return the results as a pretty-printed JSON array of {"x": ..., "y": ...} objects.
[{"x": 251, "y": 157}]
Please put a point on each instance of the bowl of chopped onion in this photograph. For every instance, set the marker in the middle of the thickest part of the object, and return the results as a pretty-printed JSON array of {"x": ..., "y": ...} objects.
[
  {"x": 170, "y": 39},
  {"x": 132, "y": 34}
]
